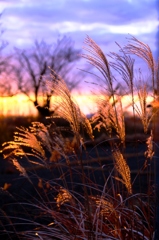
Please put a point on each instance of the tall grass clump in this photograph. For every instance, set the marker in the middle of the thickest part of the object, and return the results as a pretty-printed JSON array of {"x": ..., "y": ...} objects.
[{"x": 75, "y": 186}]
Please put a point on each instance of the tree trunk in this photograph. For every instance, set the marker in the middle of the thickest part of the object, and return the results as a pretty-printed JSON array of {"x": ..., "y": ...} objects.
[{"x": 44, "y": 111}]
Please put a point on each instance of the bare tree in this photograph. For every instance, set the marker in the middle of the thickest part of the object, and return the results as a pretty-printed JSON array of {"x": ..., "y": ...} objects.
[
  {"x": 6, "y": 86},
  {"x": 32, "y": 68}
]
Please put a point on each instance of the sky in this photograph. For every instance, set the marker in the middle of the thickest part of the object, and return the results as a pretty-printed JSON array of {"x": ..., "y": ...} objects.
[{"x": 105, "y": 21}]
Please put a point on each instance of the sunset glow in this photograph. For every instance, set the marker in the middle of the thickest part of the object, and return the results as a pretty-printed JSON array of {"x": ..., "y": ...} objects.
[
  {"x": 20, "y": 105},
  {"x": 16, "y": 106}
]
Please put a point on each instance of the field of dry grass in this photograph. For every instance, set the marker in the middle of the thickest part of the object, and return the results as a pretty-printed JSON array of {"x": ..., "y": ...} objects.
[{"x": 66, "y": 190}]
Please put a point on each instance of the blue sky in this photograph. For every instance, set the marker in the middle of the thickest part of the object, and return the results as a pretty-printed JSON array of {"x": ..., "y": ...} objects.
[{"x": 106, "y": 21}]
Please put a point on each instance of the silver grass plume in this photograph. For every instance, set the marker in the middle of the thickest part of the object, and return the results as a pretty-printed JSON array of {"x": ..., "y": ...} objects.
[
  {"x": 144, "y": 52},
  {"x": 142, "y": 91},
  {"x": 67, "y": 109},
  {"x": 124, "y": 65},
  {"x": 35, "y": 141},
  {"x": 110, "y": 116},
  {"x": 97, "y": 58},
  {"x": 123, "y": 169}
]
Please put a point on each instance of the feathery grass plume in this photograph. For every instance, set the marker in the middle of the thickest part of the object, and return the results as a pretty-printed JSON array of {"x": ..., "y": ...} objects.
[
  {"x": 20, "y": 168},
  {"x": 42, "y": 133},
  {"x": 124, "y": 65},
  {"x": 67, "y": 109},
  {"x": 63, "y": 196},
  {"x": 143, "y": 51},
  {"x": 105, "y": 206},
  {"x": 36, "y": 141},
  {"x": 150, "y": 146},
  {"x": 51, "y": 140},
  {"x": 97, "y": 58},
  {"x": 24, "y": 138},
  {"x": 123, "y": 169},
  {"x": 106, "y": 117},
  {"x": 149, "y": 153},
  {"x": 103, "y": 118},
  {"x": 104, "y": 216},
  {"x": 142, "y": 91}
]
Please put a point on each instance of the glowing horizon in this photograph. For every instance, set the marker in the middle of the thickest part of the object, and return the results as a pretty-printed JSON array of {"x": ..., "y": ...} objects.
[{"x": 19, "y": 105}]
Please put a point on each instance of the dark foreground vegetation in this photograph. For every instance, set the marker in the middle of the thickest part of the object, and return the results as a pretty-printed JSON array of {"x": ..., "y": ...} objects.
[{"x": 72, "y": 177}]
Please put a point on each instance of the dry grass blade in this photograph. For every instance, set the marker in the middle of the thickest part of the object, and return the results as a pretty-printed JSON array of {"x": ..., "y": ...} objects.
[{"x": 123, "y": 169}]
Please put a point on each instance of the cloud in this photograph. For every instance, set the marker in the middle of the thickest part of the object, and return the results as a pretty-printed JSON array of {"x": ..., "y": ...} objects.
[
  {"x": 141, "y": 27},
  {"x": 26, "y": 20},
  {"x": 115, "y": 12}
]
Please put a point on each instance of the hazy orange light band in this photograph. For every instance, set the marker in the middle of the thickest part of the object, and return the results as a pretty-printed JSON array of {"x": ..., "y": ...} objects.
[{"x": 20, "y": 105}]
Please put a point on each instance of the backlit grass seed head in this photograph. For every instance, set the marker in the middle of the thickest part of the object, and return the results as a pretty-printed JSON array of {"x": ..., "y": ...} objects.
[
  {"x": 24, "y": 138},
  {"x": 142, "y": 91},
  {"x": 11, "y": 148},
  {"x": 110, "y": 116},
  {"x": 67, "y": 109},
  {"x": 97, "y": 58},
  {"x": 104, "y": 206},
  {"x": 19, "y": 168},
  {"x": 123, "y": 169},
  {"x": 35, "y": 141},
  {"x": 69, "y": 146},
  {"x": 150, "y": 147},
  {"x": 63, "y": 197},
  {"x": 124, "y": 65},
  {"x": 102, "y": 118},
  {"x": 144, "y": 52},
  {"x": 42, "y": 133}
]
